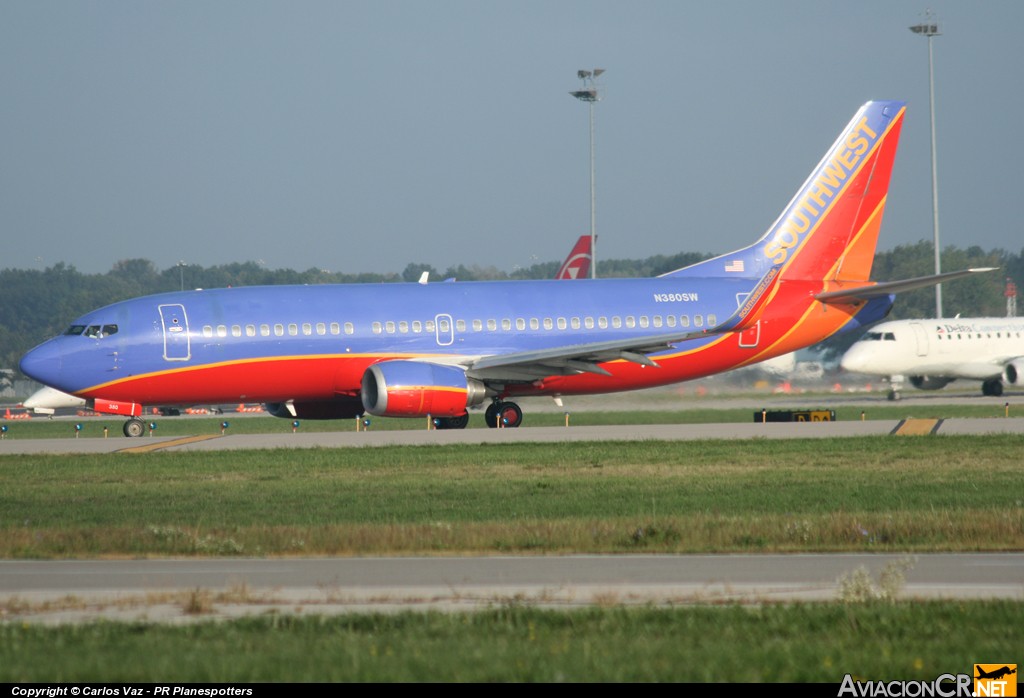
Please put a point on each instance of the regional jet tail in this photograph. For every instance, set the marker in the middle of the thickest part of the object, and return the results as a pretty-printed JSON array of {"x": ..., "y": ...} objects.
[
  {"x": 577, "y": 264},
  {"x": 934, "y": 353},
  {"x": 439, "y": 350}
]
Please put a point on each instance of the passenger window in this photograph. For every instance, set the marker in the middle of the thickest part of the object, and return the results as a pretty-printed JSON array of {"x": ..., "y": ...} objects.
[
  {"x": 698, "y": 320},
  {"x": 417, "y": 326},
  {"x": 712, "y": 320},
  {"x": 670, "y": 320},
  {"x": 588, "y": 322},
  {"x": 534, "y": 323},
  {"x": 548, "y": 323},
  {"x": 460, "y": 325},
  {"x": 684, "y": 320},
  {"x": 602, "y": 323},
  {"x": 236, "y": 330},
  {"x": 307, "y": 329},
  {"x": 293, "y": 329},
  {"x": 561, "y": 323},
  {"x": 403, "y": 327},
  {"x": 264, "y": 330},
  {"x": 207, "y": 331},
  {"x": 644, "y": 322},
  {"x": 222, "y": 330},
  {"x": 616, "y": 322},
  {"x": 279, "y": 330},
  {"x": 389, "y": 326},
  {"x": 520, "y": 324},
  {"x": 574, "y": 323},
  {"x": 630, "y": 321},
  {"x": 478, "y": 325},
  {"x": 250, "y": 330},
  {"x": 321, "y": 328},
  {"x": 350, "y": 328}
]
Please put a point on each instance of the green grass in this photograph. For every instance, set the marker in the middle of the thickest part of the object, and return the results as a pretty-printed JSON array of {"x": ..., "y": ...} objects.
[
  {"x": 859, "y": 494},
  {"x": 790, "y": 643}
]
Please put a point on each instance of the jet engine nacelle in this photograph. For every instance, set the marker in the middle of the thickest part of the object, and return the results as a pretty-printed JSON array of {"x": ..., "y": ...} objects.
[
  {"x": 416, "y": 389},
  {"x": 930, "y": 382},
  {"x": 1014, "y": 372},
  {"x": 341, "y": 408}
]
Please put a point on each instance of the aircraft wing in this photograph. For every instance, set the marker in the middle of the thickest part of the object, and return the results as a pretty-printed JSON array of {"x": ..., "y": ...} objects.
[
  {"x": 862, "y": 293},
  {"x": 577, "y": 358},
  {"x": 584, "y": 358}
]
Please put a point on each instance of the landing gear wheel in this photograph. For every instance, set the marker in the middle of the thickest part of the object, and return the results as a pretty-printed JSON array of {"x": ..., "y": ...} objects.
[
  {"x": 134, "y": 427},
  {"x": 459, "y": 422},
  {"x": 508, "y": 412},
  {"x": 992, "y": 387}
]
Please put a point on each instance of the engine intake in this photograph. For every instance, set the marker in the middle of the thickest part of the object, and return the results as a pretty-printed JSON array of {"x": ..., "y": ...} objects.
[{"x": 416, "y": 389}]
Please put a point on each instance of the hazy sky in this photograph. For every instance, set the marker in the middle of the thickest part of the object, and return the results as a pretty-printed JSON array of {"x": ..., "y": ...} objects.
[{"x": 361, "y": 136}]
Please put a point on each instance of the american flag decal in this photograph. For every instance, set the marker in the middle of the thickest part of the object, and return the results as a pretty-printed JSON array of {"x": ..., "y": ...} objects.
[{"x": 734, "y": 265}]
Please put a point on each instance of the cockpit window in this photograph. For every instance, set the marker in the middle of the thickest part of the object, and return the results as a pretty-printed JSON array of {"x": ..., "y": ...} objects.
[
  {"x": 889, "y": 337},
  {"x": 878, "y": 337},
  {"x": 96, "y": 331},
  {"x": 75, "y": 330}
]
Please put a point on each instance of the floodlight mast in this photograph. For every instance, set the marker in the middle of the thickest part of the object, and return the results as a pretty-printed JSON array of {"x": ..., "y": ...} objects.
[
  {"x": 590, "y": 94},
  {"x": 930, "y": 28}
]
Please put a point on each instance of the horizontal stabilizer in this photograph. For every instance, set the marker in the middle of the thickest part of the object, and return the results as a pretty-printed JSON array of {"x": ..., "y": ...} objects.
[{"x": 863, "y": 293}]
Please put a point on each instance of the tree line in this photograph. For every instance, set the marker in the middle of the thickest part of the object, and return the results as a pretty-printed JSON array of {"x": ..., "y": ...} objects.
[{"x": 38, "y": 304}]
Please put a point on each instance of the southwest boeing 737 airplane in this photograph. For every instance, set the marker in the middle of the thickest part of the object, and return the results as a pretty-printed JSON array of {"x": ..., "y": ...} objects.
[
  {"x": 934, "y": 353},
  {"x": 438, "y": 349}
]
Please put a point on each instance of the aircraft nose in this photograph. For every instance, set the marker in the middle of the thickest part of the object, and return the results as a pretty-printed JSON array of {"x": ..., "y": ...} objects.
[
  {"x": 43, "y": 364},
  {"x": 852, "y": 360}
]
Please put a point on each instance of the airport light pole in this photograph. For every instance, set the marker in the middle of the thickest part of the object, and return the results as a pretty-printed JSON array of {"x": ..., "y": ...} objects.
[
  {"x": 591, "y": 95},
  {"x": 181, "y": 271},
  {"x": 930, "y": 28}
]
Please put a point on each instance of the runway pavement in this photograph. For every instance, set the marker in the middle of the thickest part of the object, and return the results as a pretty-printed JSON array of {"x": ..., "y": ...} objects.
[
  {"x": 171, "y": 590},
  {"x": 666, "y": 432}
]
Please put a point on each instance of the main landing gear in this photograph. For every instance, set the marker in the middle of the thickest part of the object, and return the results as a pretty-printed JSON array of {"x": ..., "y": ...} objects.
[
  {"x": 992, "y": 387},
  {"x": 508, "y": 413}
]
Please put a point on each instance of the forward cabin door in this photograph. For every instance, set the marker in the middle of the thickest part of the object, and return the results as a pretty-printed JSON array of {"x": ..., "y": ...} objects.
[
  {"x": 921, "y": 336},
  {"x": 177, "y": 345}
]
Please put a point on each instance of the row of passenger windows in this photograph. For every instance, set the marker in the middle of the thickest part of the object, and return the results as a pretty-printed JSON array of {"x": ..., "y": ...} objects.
[
  {"x": 987, "y": 335},
  {"x": 279, "y": 330},
  {"x": 444, "y": 325}
]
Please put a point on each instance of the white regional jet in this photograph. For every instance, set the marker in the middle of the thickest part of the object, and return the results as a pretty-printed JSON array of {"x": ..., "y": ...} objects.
[{"x": 933, "y": 353}]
